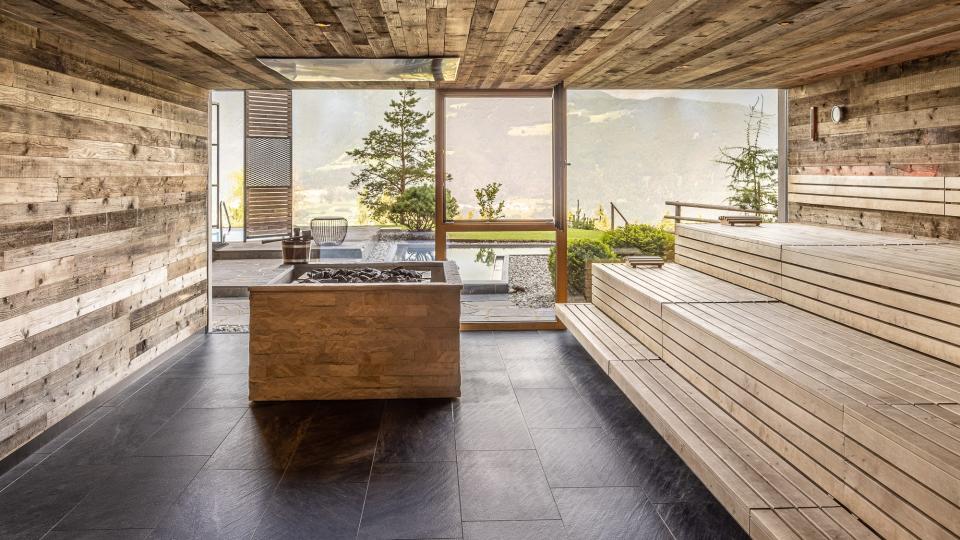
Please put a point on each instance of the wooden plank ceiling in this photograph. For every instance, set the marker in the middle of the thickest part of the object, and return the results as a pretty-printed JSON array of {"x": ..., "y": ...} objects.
[{"x": 515, "y": 43}]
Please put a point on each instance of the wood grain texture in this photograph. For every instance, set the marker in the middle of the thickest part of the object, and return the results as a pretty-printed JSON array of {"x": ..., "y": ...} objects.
[
  {"x": 102, "y": 223},
  {"x": 516, "y": 43},
  {"x": 356, "y": 340},
  {"x": 893, "y": 163}
]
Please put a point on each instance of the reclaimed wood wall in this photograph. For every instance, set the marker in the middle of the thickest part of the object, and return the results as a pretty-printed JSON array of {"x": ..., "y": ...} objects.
[
  {"x": 894, "y": 163},
  {"x": 102, "y": 223}
]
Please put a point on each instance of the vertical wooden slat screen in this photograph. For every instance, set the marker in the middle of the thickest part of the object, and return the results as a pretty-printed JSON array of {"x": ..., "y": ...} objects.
[{"x": 268, "y": 178}]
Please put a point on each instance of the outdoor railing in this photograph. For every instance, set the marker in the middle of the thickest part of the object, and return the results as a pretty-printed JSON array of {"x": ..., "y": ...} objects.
[
  {"x": 678, "y": 216},
  {"x": 613, "y": 216}
]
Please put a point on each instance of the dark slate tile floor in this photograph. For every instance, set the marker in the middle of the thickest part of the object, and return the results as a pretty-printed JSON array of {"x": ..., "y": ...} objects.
[{"x": 541, "y": 446}]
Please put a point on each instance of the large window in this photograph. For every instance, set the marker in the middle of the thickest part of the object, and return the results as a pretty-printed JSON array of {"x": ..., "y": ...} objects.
[
  {"x": 327, "y": 125},
  {"x": 227, "y": 164},
  {"x": 640, "y": 148},
  {"x": 499, "y": 150}
]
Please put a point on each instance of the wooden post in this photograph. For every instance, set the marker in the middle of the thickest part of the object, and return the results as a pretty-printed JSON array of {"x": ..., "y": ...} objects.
[
  {"x": 560, "y": 186},
  {"x": 440, "y": 172}
]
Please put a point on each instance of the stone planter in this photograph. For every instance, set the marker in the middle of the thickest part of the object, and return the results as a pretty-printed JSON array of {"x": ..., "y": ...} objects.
[{"x": 356, "y": 340}]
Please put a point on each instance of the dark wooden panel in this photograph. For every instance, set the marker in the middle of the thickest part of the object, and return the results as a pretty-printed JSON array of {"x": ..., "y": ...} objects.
[
  {"x": 894, "y": 162},
  {"x": 102, "y": 223},
  {"x": 505, "y": 43}
]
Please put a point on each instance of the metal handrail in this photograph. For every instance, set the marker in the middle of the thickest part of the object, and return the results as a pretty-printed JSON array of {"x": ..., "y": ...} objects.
[
  {"x": 677, "y": 213},
  {"x": 613, "y": 216},
  {"x": 226, "y": 214}
]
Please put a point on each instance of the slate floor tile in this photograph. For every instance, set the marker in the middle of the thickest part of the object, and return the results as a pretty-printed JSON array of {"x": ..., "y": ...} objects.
[
  {"x": 304, "y": 508},
  {"x": 504, "y": 485},
  {"x": 416, "y": 431},
  {"x": 491, "y": 426},
  {"x": 38, "y": 499},
  {"x": 136, "y": 495},
  {"x": 13, "y": 473},
  {"x": 668, "y": 479},
  {"x": 264, "y": 438},
  {"x": 219, "y": 504},
  {"x": 701, "y": 520},
  {"x": 191, "y": 432},
  {"x": 68, "y": 434},
  {"x": 555, "y": 408},
  {"x": 339, "y": 443},
  {"x": 588, "y": 457},
  {"x": 609, "y": 513},
  {"x": 534, "y": 372},
  {"x": 485, "y": 386},
  {"x": 222, "y": 391},
  {"x": 481, "y": 358},
  {"x": 103, "y": 534},
  {"x": 514, "y": 530},
  {"x": 412, "y": 500}
]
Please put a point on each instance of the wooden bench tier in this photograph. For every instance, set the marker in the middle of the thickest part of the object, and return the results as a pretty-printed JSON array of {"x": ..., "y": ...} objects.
[
  {"x": 750, "y": 256},
  {"x": 903, "y": 289},
  {"x": 764, "y": 493},
  {"x": 634, "y": 297},
  {"x": 908, "y": 294},
  {"x": 791, "y": 378},
  {"x": 912, "y": 450},
  {"x": 600, "y": 336}
]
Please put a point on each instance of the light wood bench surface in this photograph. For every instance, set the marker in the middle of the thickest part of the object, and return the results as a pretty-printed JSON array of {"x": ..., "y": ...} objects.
[
  {"x": 908, "y": 294},
  {"x": 792, "y": 378},
  {"x": 634, "y": 297},
  {"x": 743, "y": 473},
  {"x": 600, "y": 336}
]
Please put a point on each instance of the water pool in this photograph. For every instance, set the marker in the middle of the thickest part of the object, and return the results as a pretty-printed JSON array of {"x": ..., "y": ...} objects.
[{"x": 476, "y": 263}]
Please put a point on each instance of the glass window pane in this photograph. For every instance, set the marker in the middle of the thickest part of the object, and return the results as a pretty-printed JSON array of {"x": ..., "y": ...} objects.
[
  {"x": 638, "y": 149},
  {"x": 499, "y": 157}
]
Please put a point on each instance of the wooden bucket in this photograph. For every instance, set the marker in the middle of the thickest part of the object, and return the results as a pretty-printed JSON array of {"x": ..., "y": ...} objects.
[{"x": 295, "y": 250}]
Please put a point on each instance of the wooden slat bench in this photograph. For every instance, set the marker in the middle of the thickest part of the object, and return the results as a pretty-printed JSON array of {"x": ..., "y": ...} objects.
[
  {"x": 903, "y": 289},
  {"x": 605, "y": 340},
  {"x": 792, "y": 378},
  {"x": 634, "y": 297},
  {"x": 908, "y": 294},
  {"x": 751, "y": 256},
  {"x": 744, "y": 474}
]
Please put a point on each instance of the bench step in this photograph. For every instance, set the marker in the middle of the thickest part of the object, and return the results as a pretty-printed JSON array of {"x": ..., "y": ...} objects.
[
  {"x": 796, "y": 381},
  {"x": 743, "y": 473},
  {"x": 600, "y": 336},
  {"x": 899, "y": 288},
  {"x": 634, "y": 297}
]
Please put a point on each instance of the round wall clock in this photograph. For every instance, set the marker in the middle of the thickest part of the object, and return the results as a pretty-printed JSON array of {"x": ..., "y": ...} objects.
[{"x": 838, "y": 113}]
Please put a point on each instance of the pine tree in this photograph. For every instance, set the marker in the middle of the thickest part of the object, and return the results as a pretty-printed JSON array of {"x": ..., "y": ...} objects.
[
  {"x": 752, "y": 169},
  {"x": 396, "y": 156}
]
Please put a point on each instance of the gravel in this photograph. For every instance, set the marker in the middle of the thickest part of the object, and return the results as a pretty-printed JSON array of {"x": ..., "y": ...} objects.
[{"x": 530, "y": 283}]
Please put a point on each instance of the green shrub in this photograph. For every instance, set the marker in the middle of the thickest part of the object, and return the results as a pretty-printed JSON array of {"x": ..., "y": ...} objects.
[
  {"x": 415, "y": 208},
  {"x": 579, "y": 254},
  {"x": 647, "y": 239}
]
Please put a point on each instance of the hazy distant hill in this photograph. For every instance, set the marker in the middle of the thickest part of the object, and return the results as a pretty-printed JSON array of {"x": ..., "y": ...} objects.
[{"x": 634, "y": 152}]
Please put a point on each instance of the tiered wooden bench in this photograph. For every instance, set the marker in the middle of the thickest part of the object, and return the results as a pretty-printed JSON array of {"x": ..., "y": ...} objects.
[
  {"x": 792, "y": 378},
  {"x": 737, "y": 466},
  {"x": 634, "y": 297},
  {"x": 751, "y": 256},
  {"x": 744, "y": 474},
  {"x": 600, "y": 336},
  {"x": 908, "y": 294},
  {"x": 873, "y": 424},
  {"x": 903, "y": 289}
]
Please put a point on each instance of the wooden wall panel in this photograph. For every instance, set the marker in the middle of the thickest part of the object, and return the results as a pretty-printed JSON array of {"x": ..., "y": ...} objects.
[
  {"x": 894, "y": 163},
  {"x": 103, "y": 166}
]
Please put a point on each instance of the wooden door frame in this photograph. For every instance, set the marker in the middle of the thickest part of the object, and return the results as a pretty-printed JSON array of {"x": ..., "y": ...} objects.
[{"x": 557, "y": 223}]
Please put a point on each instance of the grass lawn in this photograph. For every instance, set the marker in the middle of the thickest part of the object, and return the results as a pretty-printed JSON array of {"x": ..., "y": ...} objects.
[{"x": 528, "y": 236}]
